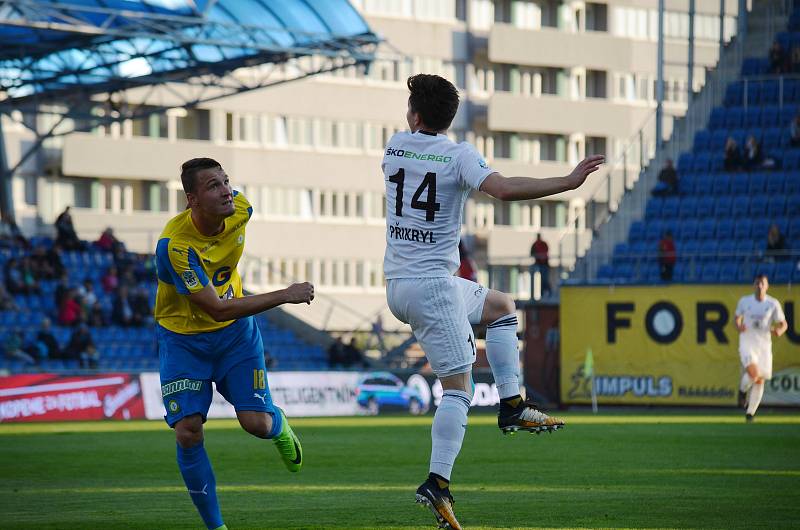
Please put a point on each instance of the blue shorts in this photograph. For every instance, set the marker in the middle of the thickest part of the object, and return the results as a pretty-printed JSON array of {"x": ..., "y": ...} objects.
[{"x": 231, "y": 357}]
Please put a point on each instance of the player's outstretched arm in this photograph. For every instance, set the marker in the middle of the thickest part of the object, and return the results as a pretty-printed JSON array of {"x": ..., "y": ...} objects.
[
  {"x": 233, "y": 308},
  {"x": 524, "y": 188}
]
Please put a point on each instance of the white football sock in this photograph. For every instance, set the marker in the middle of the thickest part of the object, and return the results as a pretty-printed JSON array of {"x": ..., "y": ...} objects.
[
  {"x": 754, "y": 398},
  {"x": 447, "y": 431},
  {"x": 746, "y": 382},
  {"x": 503, "y": 354}
]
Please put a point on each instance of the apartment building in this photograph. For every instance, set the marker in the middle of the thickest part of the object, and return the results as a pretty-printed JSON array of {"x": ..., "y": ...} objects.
[{"x": 543, "y": 82}]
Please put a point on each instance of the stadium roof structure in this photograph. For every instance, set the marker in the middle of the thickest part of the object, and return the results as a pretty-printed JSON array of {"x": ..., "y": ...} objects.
[{"x": 81, "y": 60}]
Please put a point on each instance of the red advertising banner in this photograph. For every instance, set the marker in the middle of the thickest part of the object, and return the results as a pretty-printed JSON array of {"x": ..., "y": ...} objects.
[{"x": 53, "y": 397}]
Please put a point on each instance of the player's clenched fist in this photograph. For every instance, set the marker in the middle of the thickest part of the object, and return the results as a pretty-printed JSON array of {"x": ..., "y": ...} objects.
[{"x": 299, "y": 293}]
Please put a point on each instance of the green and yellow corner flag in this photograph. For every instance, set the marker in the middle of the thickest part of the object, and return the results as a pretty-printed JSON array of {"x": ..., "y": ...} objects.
[{"x": 588, "y": 364}]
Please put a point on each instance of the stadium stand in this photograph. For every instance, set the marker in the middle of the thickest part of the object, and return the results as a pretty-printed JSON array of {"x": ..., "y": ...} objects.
[
  {"x": 120, "y": 348},
  {"x": 720, "y": 219}
]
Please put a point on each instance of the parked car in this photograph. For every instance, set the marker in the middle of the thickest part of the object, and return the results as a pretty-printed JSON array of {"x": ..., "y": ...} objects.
[{"x": 383, "y": 389}]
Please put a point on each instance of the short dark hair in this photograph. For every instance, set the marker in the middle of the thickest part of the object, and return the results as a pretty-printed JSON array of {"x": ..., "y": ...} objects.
[
  {"x": 759, "y": 276},
  {"x": 434, "y": 98},
  {"x": 190, "y": 168}
]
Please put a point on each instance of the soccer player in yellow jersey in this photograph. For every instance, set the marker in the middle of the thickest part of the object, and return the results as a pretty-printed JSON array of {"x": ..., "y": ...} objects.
[{"x": 206, "y": 331}]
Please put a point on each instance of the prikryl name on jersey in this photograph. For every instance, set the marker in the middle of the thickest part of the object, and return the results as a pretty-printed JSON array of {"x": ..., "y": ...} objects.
[
  {"x": 411, "y": 234},
  {"x": 404, "y": 153}
]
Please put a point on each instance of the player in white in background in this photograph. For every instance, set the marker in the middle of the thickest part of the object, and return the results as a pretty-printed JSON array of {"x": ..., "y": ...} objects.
[
  {"x": 756, "y": 314},
  {"x": 428, "y": 178}
]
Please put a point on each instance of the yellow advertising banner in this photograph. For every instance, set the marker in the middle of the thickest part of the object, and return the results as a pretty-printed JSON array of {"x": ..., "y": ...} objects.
[{"x": 670, "y": 345}]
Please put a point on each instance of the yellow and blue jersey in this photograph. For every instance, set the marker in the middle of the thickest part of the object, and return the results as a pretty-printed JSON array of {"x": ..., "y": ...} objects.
[{"x": 186, "y": 261}]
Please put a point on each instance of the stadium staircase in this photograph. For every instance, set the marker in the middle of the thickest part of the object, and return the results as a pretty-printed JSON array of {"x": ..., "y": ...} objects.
[
  {"x": 719, "y": 220},
  {"x": 123, "y": 348}
]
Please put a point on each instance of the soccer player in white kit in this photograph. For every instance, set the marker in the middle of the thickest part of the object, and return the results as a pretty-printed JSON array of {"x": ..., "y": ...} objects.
[
  {"x": 428, "y": 178},
  {"x": 758, "y": 317}
]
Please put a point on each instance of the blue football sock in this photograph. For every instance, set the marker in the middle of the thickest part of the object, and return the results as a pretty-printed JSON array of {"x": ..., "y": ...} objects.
[
  {"x": 199, "y": 479},
  {"x": 277, "y": 423}
]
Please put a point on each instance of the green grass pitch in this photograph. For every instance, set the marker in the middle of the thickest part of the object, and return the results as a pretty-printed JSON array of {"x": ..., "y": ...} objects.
[{"x": 649, "y": 470}]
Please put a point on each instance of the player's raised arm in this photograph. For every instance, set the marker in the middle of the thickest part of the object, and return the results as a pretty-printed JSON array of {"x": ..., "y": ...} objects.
[
  {"x": 222, "y": 310},
  {"x": 524, "y": 188}
]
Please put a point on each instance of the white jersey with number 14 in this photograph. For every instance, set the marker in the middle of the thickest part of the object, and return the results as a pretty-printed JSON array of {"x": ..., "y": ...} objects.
[{"x": 428, "y": 178}]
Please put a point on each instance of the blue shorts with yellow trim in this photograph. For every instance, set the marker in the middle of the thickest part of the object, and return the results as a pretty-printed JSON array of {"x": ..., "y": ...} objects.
[{"x": 231, "y": 357}]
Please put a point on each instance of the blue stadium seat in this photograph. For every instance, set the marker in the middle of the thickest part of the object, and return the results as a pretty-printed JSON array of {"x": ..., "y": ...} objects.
[
  {"x": 739, "y": 184},
  {"x": 753, "y": 66},
  {"x": 772, "y": 139},
  {"x": 726, "y": 247},
  {"x": 744, "y": 247},
  {"x": 701, "y": 140},
  {"x": 791, "y": 185},
  {"x": 688, "y": 207},
  {"x": 686, "y": 184},
  {"x": 728, "y": 272},
  {"x": 721, "y": 185},
  {"x": 718, "y": 139},
  {"x": 702, "y": 185},
  {"x": 723, "y": 207},
  {"x": 743, "y": 228},
  {"x": 734, "y": 95},
  {"x": 725, "y": 228},
  {"x": 670, "y": 208},
  {"x": 760, "y": 228},
  {"x": 636, "y": 232},
  {"x": 707, "y": 228},
  {"x": 769, "y": 92},
  {"x": 734, "y": 117},
  {"x": 705, "y": 206},
  {"x": 752, "y": 117},
  {"x": 710, "y": 273},
  {"x": 685, "y": 162},
  {"x": 758, "y": 205},
  {"x": 776, "y": 205},
  {"x": 756, "y": 183},
  {"x": 741, "y": 203},
  {"x": 770, "y": 117},
  {"x": 653, "y": 208},
  {"x": 717, "y": 118},
  {"x": 783, "y": 272},
  {"x": 794, "y": 227},
  {"x": 701, "y": 163},
  {"x": 793, "y": 205},
  {"x": 775, "y": 183},
  {"x": 766, "y": 268},
  {"x": 653, "y": 230},
  {"x": 791, "y": 159}
]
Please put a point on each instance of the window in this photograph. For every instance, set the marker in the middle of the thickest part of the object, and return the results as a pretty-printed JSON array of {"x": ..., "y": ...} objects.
[
  {"x": 194, "y": 125},
  {"x": 596, "y": 17},
  {"x": 595, "y": 145},
  {"x": 552, "y": 147},
  {"x": 152, "y": 126},
  {"x": 596, "y": 81},
  {"x": 502, "y": 145}
]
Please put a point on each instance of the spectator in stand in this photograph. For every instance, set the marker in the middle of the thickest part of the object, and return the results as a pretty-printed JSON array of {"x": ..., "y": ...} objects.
[
  {"x": 794, "y": 59},
  {"x": 140, "y": 301},
  {"x": 87, "y": 296},
  {"x": 15, "y": 278},
  {"x": 81, "y": 346},
  {"x": 108, "y": 241},
  {"x": 752, "y": 154},
  {"x": 794, "y": 129},
  {"x": 777, "y": 59},
  {"x": 13, "y": 347},
  {"x": 733, "y": 158},
  {"x": 336, "y": 353},
  {"x": 42, "y": 267},
  {"x": 96, "y": 316},
  {"x": 269, "y": 361},
  {"x": 776, "y": 244},
  {"x": 541, "y": 262},
  {"x": 70, "y": 312},
  {"x": 110, "y": 280},
  {"x": 61, "y": 289},
  {"x": 122, "y": 312},
  {"x": 667, "y": 256},
  {"x": 467, "y": 268},
  {"x": 667, "y": 181},
  {"x": 29, "y": 276},
  {"x": 11, "y": 235},
  {"x": 7, "y": 302},
  {"x": 66, "y": 236},
  {"x": 46, "y": 346},
  {"x": 54, "y": 258},
  {"x": 353, "y": 356}
]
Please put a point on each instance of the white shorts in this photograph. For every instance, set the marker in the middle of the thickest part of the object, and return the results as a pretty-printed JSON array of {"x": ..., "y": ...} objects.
[
  {"x": 440, "y": 312},
  {"x": 760, "y": 356}
]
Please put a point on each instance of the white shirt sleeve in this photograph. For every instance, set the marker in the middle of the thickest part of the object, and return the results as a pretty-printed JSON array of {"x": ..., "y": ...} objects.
[
  {"x": 777, "y": 314},
  {"x": 472, "y": 168},
  {"x": 740, "y": 309}
]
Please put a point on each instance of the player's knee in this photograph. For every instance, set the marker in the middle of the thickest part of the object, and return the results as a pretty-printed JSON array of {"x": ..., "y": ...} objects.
[
  {"x": 257, "y": 424},
  {"x": 189, "y": 431},
  {"x": 497, "y": 305}
]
